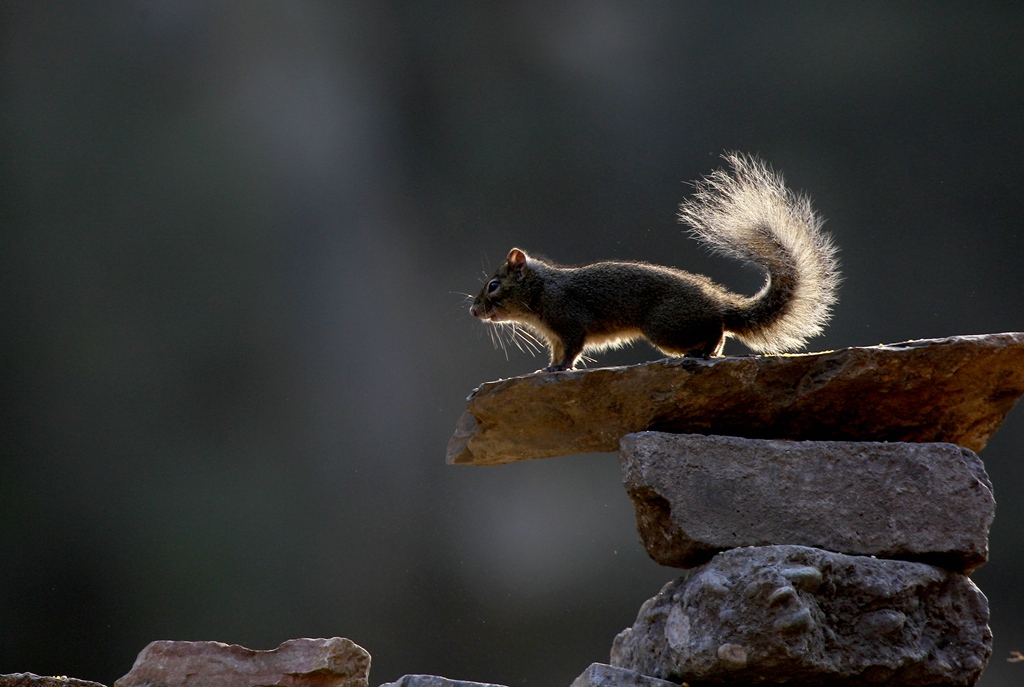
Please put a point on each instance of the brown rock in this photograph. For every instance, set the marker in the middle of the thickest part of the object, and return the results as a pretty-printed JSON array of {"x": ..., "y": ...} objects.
[
  {"x": 334, "y": 662},
  {"x": 955, "y": 390},
  {"x": 696, "y": 495},
  {"x": 32, "y": 680},
  {"x": 807, "y": 618}
]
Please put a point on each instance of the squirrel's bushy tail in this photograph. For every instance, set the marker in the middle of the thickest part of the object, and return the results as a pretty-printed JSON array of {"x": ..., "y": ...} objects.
[{"x": 751, "y": 215}]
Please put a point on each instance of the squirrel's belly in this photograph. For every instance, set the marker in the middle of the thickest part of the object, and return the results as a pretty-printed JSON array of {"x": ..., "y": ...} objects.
[{"x": 605, "y": 341}]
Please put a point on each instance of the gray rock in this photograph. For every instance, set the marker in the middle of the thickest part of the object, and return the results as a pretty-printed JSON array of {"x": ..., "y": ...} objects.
[
  {"x": 33, "y": 680},
  {"x": 808, "y": 617},
  {"x": 955, "y": 390},
  {"x": 604, "y": 675},
  {"x": 697, "y": 495},
  {"x": 434, "y": 681},
  {"x": 334, "y": 662}
]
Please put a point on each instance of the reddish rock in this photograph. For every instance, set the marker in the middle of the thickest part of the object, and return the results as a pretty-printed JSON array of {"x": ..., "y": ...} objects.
[
  {"x": 32, "y": 680},
  {"x": 334, "y": 662},
  {"x": 956, "y": 390}
]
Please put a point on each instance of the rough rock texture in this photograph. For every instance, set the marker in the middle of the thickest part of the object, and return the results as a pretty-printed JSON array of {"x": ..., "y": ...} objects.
[
  {"x": 808, "y": 617},
  {"x": 334, "y": 662},
  {"x": 955, "y": 390},
  {"x": 433, "y": 681},
  {"x": 697, "y": 495},
  {"x": 604, "y": 675},
  {"x": 32, "y": 680}
]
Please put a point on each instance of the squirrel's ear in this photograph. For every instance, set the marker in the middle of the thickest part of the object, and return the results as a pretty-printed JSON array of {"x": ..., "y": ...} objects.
[{"x": 516, "y": 258}]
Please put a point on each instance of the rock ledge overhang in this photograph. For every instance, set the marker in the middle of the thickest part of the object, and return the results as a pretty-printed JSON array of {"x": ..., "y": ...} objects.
[{"x": 955, "y": 390}]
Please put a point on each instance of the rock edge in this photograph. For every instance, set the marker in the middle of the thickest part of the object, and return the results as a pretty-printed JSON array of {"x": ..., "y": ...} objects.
[
  {"x": 696, "y": 495},
  {"x": 955, "y": 390}
]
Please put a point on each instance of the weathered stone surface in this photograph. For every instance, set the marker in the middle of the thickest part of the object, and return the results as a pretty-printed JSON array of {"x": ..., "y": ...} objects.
[
  {"x": 434, "y": 681},
  {"x": 334, "y": 662},
  {"x": 33, "y": 680},
  {"x": 696, "y": 495},
  {"x": 604, "y": 675},
  {"x": 955, "y": 390},
  {"x": 809, "y": 617}
]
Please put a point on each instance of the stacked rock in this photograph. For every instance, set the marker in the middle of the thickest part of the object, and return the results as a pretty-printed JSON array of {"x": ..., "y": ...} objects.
[
  {"x": 810, "y": 563},
  {"x": 832, "y": 549}
]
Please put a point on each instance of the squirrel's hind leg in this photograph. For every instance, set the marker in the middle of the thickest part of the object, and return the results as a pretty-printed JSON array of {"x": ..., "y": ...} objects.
[
  {"x": 710, "y": 349},
  {"x": 714, "y": 350}
]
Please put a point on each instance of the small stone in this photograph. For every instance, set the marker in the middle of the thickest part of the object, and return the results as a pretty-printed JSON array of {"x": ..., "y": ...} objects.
[
  {"x": 335, "y": 662},
  {"x": 864, "y": 621},
  {"x": 604, "y": 675},
  {"x": 714, "y": 583},
  {"x": 884, "y": 622},
  {"x": 782, "y": 595},
  {"x": 677, "y": 628},
  {"x": 955, "y": 390},
  {"x": 732, "y": 655},
  {"x": 33, "y": 680},
  {"x": 434, "y": 681},
  {"x": 807, "y": 579},
  {"x": 696, "y": 495},
  {"x": 797, "y": 621}
]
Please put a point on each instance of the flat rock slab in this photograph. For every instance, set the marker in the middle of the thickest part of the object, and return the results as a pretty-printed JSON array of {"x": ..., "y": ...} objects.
[
  {"x": 809, "y": 618},
  {"x": 697, "y": 495},
  {"x": 604, "y": 675},
  {"x": 335, "y": 662},
  {"x": 33, "y": 680},
  {"x": 956, "y": 390},
  {"x": 434, "y": 681}
]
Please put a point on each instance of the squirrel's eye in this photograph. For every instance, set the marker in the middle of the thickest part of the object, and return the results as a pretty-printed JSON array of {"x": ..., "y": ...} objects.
[{"x": 493, "y": 286}]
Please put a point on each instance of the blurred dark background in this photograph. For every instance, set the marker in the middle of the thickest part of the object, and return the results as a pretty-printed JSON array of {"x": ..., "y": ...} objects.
[{"x": 235, "y": 242}]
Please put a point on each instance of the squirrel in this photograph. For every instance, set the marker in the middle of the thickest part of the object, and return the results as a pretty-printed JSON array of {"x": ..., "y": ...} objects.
[{"x": 748, "y": 214}]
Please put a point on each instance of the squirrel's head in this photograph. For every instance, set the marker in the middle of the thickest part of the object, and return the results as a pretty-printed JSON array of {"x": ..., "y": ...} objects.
[{"x": 501, "y": 298}]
